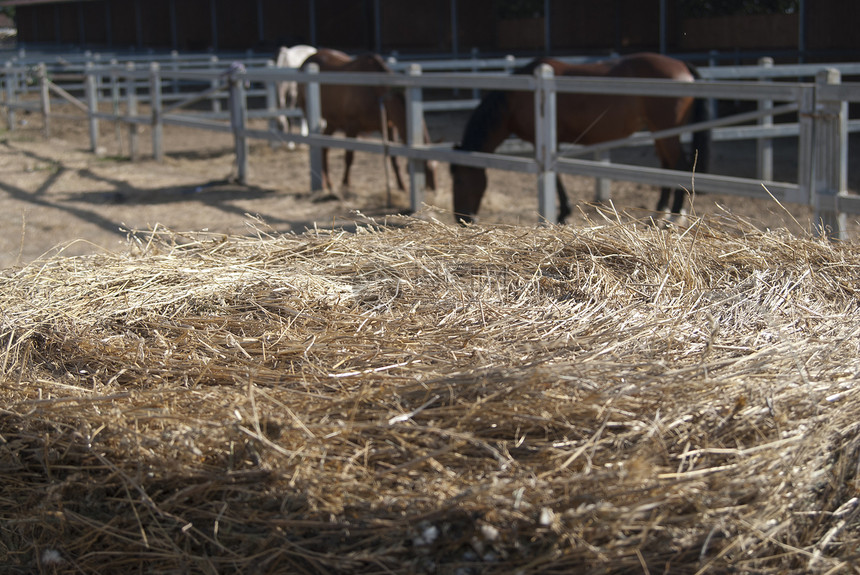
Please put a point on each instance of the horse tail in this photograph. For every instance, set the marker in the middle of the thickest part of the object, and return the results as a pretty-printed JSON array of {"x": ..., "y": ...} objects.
[{"x": 702, "y": 138}]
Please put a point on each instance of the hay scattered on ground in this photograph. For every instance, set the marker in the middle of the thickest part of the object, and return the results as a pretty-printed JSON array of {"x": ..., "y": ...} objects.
[{"x": 423, "y": 398}]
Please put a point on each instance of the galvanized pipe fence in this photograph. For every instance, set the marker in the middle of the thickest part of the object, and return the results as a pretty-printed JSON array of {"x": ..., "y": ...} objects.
[{"x": 821, "y": 107}]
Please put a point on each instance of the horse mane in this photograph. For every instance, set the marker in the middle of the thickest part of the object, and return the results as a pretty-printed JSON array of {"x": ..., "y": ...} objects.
[{"x": 485, "y": 120}]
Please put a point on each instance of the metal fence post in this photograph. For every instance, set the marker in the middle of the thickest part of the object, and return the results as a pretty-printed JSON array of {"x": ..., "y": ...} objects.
[
  {"x": 805, "y": 147},
  {"x": 131, "y": 111},
  {"x": 602, "y": 186},
  {"x": 216, "y": 102},
  {"x": 92, "y": 96},
  {"x": 272, "y": 102},
  {"x": 45, "y": 98},
  {"x": 11, "y": 81},
  {"x": 155, "y": 104},
  {"x": 238, "y": 116},
  {"x": 314, "y": 113},
  {"x": 831, "y": 159},
  {"x": 545, "y": 141},
  {"x": 415, "y": 137},
  {"x": 764, "y": 146},
  {"x": 713, "y": 106}
]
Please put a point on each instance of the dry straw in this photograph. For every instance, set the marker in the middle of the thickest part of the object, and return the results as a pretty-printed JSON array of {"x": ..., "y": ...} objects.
[{"x": 423, "y": 398}]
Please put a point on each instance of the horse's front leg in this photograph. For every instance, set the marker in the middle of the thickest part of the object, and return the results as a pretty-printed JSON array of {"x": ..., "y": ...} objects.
[
  {"x": 347, "y": 159},
  {"x": 394, "y": 167}
]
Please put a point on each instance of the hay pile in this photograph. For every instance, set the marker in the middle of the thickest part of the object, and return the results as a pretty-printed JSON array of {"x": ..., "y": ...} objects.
[{"x": 423, "y": 398}]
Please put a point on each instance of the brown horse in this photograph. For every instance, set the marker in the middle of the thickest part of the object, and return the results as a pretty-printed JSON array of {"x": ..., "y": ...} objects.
[
  {"x": 357, "y": 109},
  {"x": 585, "y": 119}
]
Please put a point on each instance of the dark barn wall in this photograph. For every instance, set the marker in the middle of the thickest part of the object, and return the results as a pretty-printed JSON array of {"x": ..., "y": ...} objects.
[
  {"x": 832, "y": 25},
  {"x": 123, "y": 22},
  {"x": 68, "y": 20},
  {"x": 433, "y": 35},
  {"x": 345, "y": 24},
  {"x": 155, "y": 23},
  {"x": 421, "y": 26},
  {"x": 286, "y": 23},
  {"x": 236, "y": 24},
  {"x": 95, "y": 23},
  {"x": 193, "y": 25},
  {"x": 476, "y": 25}
]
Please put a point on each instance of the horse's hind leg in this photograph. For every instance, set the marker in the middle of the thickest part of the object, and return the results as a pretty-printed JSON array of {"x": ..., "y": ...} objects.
[
  {"x": 563, "y": 203},
  {"x": 672, "y": 158},
  {"x": 347, "y": 159}
]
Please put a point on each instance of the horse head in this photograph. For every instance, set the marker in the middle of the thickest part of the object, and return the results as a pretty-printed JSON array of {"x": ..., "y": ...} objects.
[{"x": 469, "y": 184}]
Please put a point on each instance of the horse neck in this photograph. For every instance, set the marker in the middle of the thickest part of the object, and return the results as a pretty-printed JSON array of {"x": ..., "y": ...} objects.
[{"x": 489, "y": 124}]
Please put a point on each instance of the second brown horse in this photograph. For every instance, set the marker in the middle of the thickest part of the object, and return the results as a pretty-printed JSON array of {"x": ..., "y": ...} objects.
[
  {"x": 585, "y": 119},
  {"x": 358, "y": 109}
]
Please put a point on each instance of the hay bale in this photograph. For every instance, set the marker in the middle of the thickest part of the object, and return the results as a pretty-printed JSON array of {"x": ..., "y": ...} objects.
[{"x": 421, "y": 398}]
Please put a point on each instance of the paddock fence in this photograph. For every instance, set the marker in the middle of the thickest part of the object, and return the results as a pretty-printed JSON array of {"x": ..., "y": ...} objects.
[{"x": 175, "y": 90}]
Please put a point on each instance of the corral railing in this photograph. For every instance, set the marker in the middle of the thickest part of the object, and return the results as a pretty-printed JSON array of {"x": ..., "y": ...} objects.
[{"x": 821, "y": 107}]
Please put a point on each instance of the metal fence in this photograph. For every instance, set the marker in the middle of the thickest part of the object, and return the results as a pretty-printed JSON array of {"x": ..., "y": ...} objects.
[{"x": 171, "y": 87}]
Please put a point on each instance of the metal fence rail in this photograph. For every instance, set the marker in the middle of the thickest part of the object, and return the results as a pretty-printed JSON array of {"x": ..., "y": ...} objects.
[{"x": 821, "y": 106}]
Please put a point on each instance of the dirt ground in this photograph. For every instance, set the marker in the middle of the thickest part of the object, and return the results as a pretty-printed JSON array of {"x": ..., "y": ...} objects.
[{"x": 57, "y": 195}]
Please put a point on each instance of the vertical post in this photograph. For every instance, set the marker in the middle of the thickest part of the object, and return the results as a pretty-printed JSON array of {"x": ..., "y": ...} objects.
[
  {"x": 713, "y": 61},
  {"x": 545, "y": 141},
  {"x": 805, "y": 148},
  {"x": 114, "y": 99},
  {"x": 155, "y": 104},
  {"x": 476, "y": 93},
  {"x": 174, "y": 59},
  {"x": 831, "y": 158},
  {"x": 415, "y": 137},
  {"x": 547, "y": 30},
  {"x": 45, "y": 97},
  {"x": 764, "y": 146},
  {"x": 238, "y": 115},
  {"x": 92, "y": 96},
  {"x": 272, "y": 103},
  {"x": 602, "y": 186},
  {"x": 131, "y": 111},
  {"x": 216, "y": 101},
  {"x": 663, "y": 26},
  {"x": 11, "y": 81},
  {"x": 314, "y": 118}
]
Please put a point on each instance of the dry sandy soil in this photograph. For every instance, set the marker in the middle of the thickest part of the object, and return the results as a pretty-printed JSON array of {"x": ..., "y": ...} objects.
[{"x": 55, "y": 194}]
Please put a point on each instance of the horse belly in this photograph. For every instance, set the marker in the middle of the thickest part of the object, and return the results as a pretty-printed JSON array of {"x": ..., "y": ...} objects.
[{"x": 592, "y": 118}]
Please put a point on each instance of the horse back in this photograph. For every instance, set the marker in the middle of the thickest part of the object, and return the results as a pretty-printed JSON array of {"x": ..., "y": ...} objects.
[{"x": 640, "y": 65}]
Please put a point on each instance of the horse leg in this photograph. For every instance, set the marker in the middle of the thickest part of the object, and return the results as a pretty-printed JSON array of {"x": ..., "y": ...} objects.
[
  {"x": 396, "y": 170},
  {"x": 325, "y": 177},
  {"x": 671, "y": 157},
  {"x": 347, "y": 160},
  {"x": 563, "y": 203}
]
